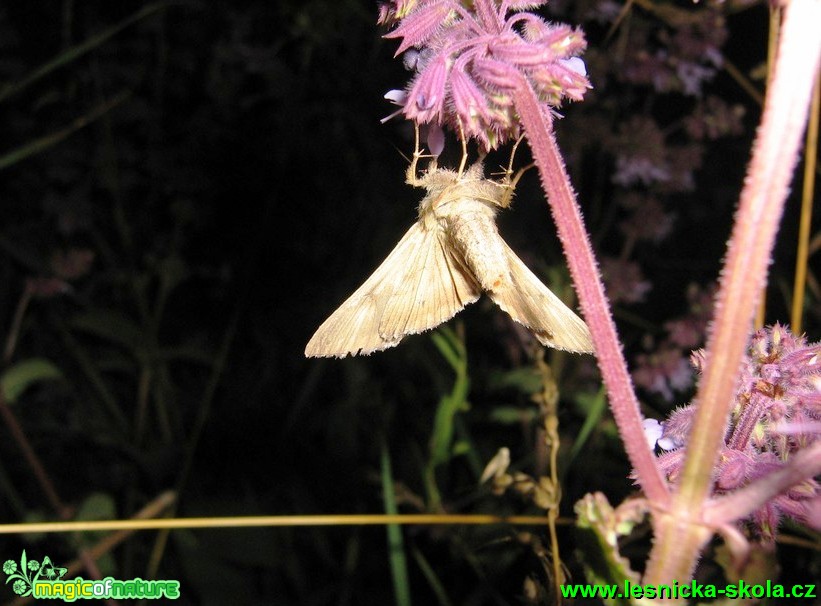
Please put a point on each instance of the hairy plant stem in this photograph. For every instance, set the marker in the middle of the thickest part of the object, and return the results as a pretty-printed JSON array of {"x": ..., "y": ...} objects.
[
  {"x": 679, "y": 528},
  {"x": 743, "y": 277},
  {"x": 538, "y": 127}
]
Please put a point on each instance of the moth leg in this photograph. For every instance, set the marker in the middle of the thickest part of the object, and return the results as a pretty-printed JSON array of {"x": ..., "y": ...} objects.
[
  {"x": 410, "y": 175},
  {"x": 464, "y": 160},
  {"x": 509, "y": 170},
  {"x": 510, "y": 180}
]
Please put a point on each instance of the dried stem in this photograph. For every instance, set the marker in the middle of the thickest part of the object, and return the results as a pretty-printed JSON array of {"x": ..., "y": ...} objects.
[
  {"x": 808, "y": 193},
  {"x": 37, "y": 468}
]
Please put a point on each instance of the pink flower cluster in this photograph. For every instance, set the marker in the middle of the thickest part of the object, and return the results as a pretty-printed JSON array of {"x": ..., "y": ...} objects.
[
  {"x": 777, "y": 413},
  {"x": 470, "y": 60},
  {"x": 666, "y": 368},
  {"x": 687, "y": 52}
]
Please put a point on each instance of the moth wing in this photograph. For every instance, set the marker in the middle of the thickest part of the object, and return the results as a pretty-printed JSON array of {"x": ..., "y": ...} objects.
[
  {"x": 436, "y": 287},
  {"x": 418, "y": 286},
  {"x": 531, "y": 303}
]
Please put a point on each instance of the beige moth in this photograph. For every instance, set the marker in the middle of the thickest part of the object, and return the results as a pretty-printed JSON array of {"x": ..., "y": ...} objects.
[{"x": 446, "y": 260}]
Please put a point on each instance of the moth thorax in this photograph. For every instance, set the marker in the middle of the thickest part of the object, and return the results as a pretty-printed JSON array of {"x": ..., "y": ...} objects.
[
  {"x": 458, "y": 203},
  {"x": 475, "y": 236}
]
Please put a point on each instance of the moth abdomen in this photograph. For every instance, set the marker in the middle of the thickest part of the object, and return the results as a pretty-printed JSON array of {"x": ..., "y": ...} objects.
[{"x": 476, "y": 237}]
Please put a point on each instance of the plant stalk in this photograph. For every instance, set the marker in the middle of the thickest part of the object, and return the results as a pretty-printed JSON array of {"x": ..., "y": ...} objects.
[
  {"x": 594, "y": 304},
  {"x": 775, "y": 154}
]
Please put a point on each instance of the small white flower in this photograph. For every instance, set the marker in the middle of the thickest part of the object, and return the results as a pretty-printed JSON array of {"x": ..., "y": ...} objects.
[
  {"x": 652, "y": 432},
  {"x": 576, "y": 64}
]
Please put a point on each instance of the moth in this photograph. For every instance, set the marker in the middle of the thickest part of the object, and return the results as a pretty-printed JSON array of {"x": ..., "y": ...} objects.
[{"x": 445, "y": 261}]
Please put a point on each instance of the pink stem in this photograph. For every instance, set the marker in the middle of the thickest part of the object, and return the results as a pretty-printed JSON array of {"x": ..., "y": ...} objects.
[
  {"x": 679, "y": 533},
  {"x": 744, "y": 275},
  {"x": 596, "y": 309}
]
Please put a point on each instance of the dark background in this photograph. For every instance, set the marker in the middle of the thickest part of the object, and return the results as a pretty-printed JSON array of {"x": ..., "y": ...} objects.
[{"x": 241, "y": 189}]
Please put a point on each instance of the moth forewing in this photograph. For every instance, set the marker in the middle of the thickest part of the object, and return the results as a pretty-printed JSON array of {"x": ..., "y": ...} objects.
[
  {"x": 417, "y": 287},
  {"x": 435, "y": 288}
]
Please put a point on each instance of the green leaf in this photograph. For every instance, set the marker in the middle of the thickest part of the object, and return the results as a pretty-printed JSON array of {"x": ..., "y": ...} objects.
[
  {"x": 16, "y": 379},
  {"x": 452, "y": 348},
  {"x": 461, "y": 447},
  {"x": 396, "y": 544},
  {"x": 75, "y": 52},
  {"x": 513, "y": 415},
  {"x": 598, "y": 529},
  {"x": 97, "y": 506},
  {"x": 525, "y": 380},
  {"x": 215, "y": 579},
  {"x": 110, "y": 325},
  {"x": 595, "y": 406},
  {"x": 42, "y": 143},
  {"x": 447, "y": 343},
  {"x": 433, "y": 580}
]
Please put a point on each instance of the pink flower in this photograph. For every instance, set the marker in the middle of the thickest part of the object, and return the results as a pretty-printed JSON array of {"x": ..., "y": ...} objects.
[
  {"x": 688, "y": 331},
  {"x": 624, "y": 280},
  {"x": 641, "y": 153},
  {"x": 663, "y": 372},
  {"x": 433, "y": 133},
  {"x": 426, "y": 97},
  {"x": 72, "y": 264},
  {"x": 714, "y": 118},
  {"x": 475, "y": 57},
  {"x": 47, "y": 287},
  {"x": 648, "y": 218},
  {"x": 776, "y": 414},
  {"x": 692, "y": 76}
]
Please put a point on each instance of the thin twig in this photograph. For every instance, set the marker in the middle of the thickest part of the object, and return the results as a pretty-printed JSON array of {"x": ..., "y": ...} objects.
[{"x": 275, "y": 521}]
